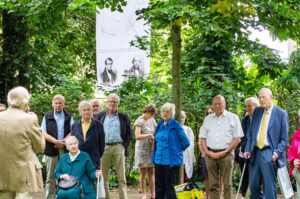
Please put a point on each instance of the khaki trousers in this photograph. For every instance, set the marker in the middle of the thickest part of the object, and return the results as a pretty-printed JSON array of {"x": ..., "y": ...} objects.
[
  {"x": 51, "y": 164},
  {"x": 117, "y": 154},
  {"x": 16, "y": 195},
  {"x": 215, "y": 168}
]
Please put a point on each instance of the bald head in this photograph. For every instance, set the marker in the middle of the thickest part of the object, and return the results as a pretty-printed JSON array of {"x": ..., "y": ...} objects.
[
  {"x": 266, "y": 91},
  {"x": 265, "y": 98},
  {"x": 96, "y": 106},
  {"x": 219, "y": 105}
]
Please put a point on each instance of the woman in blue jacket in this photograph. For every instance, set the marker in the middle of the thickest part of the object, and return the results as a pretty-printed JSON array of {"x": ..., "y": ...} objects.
[
  {"x": 78, "y": 164},
  {"x": 170, "y": 142}
]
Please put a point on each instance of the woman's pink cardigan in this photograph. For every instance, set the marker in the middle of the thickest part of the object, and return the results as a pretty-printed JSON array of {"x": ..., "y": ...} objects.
[{"x": 293, "y": 152}]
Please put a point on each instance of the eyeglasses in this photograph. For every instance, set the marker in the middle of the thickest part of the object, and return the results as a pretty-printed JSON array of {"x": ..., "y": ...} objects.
[{"x": 113, "y": 102}]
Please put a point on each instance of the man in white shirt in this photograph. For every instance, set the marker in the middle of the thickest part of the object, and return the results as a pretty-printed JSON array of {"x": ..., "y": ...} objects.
[{"x": 220, "y": 134}]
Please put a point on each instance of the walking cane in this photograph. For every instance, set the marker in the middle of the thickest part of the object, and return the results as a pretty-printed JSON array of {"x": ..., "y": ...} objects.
[{"x": 244, "y": 167}]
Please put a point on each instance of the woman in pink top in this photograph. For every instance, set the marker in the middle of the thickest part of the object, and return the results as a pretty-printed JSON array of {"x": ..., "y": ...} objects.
[{"x": 294, "y": 156}]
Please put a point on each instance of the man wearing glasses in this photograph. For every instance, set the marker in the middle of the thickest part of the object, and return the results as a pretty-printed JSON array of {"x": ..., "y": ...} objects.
[{"x": 118, "y": 135}]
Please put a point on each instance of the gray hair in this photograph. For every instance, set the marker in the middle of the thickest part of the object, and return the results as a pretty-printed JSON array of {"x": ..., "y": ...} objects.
[
  {"x": 84, "y": 103},
  {"x": 94, "y": 100},
  {"x": 253, "y": 100},
  {"x": 69, "y": 139},
  {"x": 168, "y": 107},
  {"x": 59, "y": 96},
  {"x": 114, "y": 95},
  {"x": 18, "y": 97}
]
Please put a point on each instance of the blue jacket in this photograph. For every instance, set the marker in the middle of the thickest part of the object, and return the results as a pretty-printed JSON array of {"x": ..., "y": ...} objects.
[
  {"x": 178, "y": 142},
  {"x": 95, "y": 140},
  {"x": 277, "y": 133},
  {"x": 82, "y": 168}
]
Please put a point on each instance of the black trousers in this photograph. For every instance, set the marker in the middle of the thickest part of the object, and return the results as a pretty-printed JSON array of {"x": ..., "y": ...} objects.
[
  {"x": 165, "y": 180},
  {"x": 245, "y": 180}
]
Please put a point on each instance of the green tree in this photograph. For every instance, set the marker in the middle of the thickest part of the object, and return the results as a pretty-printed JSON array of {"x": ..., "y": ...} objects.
[{"x": 42, "y": 40}]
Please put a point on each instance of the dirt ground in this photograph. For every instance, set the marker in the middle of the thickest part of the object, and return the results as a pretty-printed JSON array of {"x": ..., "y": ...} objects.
[{"x": 133, "y": 193}]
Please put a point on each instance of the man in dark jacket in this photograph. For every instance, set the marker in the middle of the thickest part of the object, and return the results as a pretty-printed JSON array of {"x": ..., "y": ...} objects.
[
  {"x": 251, "y": 103},
  {"x": 56, "y": 127},
  {"x": 108, "y": 76},
  {"x": 118, "y": 135}
]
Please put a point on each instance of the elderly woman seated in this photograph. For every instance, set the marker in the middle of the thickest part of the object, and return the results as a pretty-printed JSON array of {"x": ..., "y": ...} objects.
[{"x": 78, "y": 164}]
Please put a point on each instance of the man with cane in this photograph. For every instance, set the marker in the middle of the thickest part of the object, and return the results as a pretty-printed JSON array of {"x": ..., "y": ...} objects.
[{"x": 251, "y": 103}]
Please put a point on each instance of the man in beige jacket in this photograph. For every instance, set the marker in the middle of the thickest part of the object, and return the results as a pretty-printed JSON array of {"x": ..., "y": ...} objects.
[{"x": 20, "y": 141}]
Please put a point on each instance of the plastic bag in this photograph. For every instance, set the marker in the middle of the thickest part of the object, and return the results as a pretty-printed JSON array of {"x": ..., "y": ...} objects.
[{"x": 100, "y": 188}]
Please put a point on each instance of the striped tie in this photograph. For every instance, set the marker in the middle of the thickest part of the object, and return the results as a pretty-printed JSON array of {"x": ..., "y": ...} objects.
[{"x": 262, "y": 131}]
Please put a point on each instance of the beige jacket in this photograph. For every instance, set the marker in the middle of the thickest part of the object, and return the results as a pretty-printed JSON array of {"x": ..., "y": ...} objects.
[{"x": 20, "y": 141}]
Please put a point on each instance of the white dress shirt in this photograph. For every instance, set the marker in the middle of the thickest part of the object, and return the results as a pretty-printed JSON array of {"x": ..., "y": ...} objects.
[{"x": 220, "y": 131}]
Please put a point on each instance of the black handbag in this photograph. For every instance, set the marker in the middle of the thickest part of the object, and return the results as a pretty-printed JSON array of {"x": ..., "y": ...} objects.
[{"x": 68, "y": 184}]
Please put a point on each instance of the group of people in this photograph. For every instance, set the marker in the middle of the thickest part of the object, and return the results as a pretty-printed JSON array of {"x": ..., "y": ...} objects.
[{"x": 86, "y": 148}]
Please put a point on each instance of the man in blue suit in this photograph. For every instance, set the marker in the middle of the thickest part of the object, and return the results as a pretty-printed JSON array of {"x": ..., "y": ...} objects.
[{"x": 267, "y": 139}]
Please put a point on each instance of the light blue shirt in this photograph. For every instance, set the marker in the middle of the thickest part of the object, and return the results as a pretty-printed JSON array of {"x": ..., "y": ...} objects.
[
  {"x": 60, "y": 121},
  {"x": 112, "y": 128},
  {"x": 162, "y": 155}
]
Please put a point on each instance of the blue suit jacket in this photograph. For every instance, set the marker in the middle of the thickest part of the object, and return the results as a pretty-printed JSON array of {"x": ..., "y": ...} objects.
[
  {"x": 277, "y": 133},
  {"x": 95, "y": 140}
]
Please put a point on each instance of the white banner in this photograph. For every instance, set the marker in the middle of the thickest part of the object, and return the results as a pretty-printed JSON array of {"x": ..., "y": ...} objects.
[{"x": 115, "y": 57}]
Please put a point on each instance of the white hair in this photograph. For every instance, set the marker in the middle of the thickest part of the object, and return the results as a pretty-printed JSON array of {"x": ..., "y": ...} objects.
[
  {"x": 84, "y": 103},
  {"x": 69, "y": 139},
  {"x": 183, "y": 114},
  {"x": 94, "y": 100},
  {"x": 58, "y": 96},
  {"x": 18, "y": 97},
  {"x": 114, "y": 95},
  {"x": 253, "y": 100},
  {"x": 168, "y": 107}
]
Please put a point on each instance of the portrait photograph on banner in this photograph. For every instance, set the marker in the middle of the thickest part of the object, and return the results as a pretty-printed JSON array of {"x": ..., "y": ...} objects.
[{"x": 117, "y": 61}]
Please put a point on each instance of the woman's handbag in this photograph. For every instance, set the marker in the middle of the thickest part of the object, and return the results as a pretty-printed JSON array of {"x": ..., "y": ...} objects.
[{"x": 68, "y": 184}]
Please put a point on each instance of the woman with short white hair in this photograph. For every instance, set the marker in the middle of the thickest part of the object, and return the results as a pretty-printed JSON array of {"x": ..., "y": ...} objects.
[
  {"x": 20, "y": 141},
  {"x": 170, "y": 142},
  {"x": 78, "y": 164}
]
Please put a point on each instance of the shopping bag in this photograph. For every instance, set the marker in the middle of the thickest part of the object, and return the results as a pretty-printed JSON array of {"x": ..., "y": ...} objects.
[
  {"x": 100, "y": 188},
  {"x": 189, "y": 190},
  {"x": 285, "y": 183}
]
